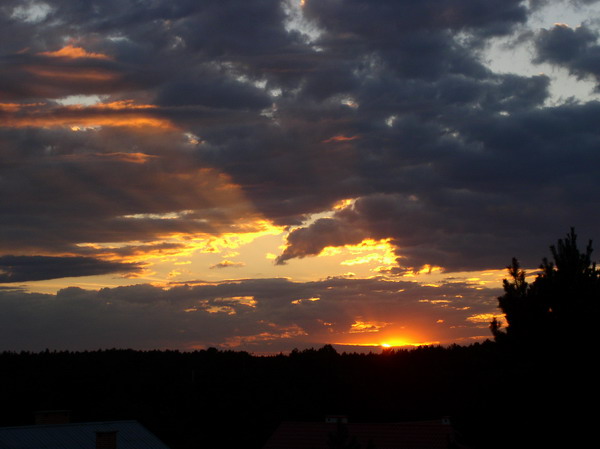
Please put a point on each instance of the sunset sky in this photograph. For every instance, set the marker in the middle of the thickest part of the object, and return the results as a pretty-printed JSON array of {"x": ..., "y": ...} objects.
[{"x": 265, "y": 175}]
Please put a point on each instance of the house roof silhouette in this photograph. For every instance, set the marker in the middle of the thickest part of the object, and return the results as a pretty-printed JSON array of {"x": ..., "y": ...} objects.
[
  {"x": 92, "y": 435},
  {"x": 435, "y": 434}
]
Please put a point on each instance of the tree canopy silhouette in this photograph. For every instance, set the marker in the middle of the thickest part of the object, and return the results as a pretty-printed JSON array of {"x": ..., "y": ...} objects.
[{"x": 560, "y": 306}]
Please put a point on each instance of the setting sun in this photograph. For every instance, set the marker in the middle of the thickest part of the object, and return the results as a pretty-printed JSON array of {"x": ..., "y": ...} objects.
[{"x": 398, "y": 343}]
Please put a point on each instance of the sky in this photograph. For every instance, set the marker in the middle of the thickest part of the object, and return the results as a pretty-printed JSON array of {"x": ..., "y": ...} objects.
[{"x": 267, "y": 175}]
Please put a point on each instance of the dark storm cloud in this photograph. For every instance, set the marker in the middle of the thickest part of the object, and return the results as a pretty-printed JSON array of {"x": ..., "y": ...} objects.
[
  {"x": 459, "y": 166},
  {"x": 533, "y": 169},
  {"x": 214, "y": 90},
  {"x": 264, "y": 315},
  {"x": 584, "y": 2},
  {"x": 36, "y": 268},
  {"x": 399, "y": 17},
  {"x": 411, "y": 222},
  {"x": 446, "y": 82},
  {"x": 576, "y": 49}
]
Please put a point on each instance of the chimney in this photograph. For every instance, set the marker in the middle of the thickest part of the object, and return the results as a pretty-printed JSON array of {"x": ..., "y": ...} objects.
[
  {"x": 45, "y": 417},
  {"x": 106, "y": 439}
]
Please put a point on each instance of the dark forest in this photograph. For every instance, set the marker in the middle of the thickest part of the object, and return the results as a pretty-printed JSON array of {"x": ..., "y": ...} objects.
[{"x": 225, "y": 399}]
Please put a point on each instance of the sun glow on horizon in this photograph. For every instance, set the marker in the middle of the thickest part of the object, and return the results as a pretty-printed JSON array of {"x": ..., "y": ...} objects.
[
  {"x": 403, "y": 343},
  {"x": 389, "y": 344}
]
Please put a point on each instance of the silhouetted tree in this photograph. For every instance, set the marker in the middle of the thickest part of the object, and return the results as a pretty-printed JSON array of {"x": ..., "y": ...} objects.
[
  {"x": 560, "y": 306},
  {"x": 548, "y": 371}
]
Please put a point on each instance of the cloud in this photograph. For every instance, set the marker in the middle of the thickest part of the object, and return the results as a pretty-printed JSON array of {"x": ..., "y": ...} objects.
[
  {"x": 455, "y": 229},
  {"x": 207, "y": 124},
  {"x": 72, "y": 52},
  {"x": 213, "y": 87},
  {"x": 46, "y": 75},
  {"x": 227, "y": 264},
  {"x": 311, "y": 240},
  {"x": 261, "y": 315},
  {"x": 77, "y": 117},
  {"x": 36, "y": 268},
  {"x": 576, "y": 49},
  {"x": 493, "y": 17},
  {"x": 63, "y": 188}
]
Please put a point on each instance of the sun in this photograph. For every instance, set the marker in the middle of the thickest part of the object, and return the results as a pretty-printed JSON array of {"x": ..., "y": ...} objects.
[{"x": 403, "y": 343}]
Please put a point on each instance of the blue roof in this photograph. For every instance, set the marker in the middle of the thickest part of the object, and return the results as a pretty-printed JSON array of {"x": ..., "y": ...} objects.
[{"x": 130, "y": 435}]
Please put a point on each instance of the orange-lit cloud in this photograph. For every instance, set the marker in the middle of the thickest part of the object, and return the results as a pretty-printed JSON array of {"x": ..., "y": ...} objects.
[
  {"x": 244, "y": 233},
  {"x": 133, "y": 158},
  {"x": 361, "y": 326},
  {"x": 119, "y": 105},
  {"x": 78, "y": 74},
  {"x": 169, "y": 247},
  {"x": 425, "y": 269},
  {"x": 343, "y": 204},
  {"x": 340, "y": 138},
  {"x": 486, "y": 318},
  {"x": 89, "y": 121},
  {"x": 78, "y": 117},
  {"x": 368, "y": 251},
  {"x": 15, "y": 107},
  {"x": 72, "y": 52}
]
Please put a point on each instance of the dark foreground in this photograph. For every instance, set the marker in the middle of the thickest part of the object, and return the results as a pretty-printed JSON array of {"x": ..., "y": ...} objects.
[{"x": 494, "y": 396}]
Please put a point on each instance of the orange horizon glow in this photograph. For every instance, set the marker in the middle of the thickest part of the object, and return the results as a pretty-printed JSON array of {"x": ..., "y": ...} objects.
[
  {"x": 387, "y": 335},
  {"x": 389, "y": 345}
]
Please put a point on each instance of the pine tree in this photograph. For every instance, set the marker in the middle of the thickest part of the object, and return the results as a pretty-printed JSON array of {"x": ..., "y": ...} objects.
[{"x": 559, "y": 307}]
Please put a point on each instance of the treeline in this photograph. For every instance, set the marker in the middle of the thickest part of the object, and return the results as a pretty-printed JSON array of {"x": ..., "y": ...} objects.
[{"x": 226, "y": 399}]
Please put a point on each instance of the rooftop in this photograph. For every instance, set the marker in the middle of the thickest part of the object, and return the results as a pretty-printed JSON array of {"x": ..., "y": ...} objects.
[
  {"x": 435, "y": 434},
  {"x": 129, "y": 435}
]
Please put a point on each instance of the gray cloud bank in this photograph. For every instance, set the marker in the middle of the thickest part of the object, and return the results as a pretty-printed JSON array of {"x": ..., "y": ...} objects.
[
  {"x": 36, "y": 268},
  {"x": 386, "y": 102},
  {"x": 259, "y": 315}
]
